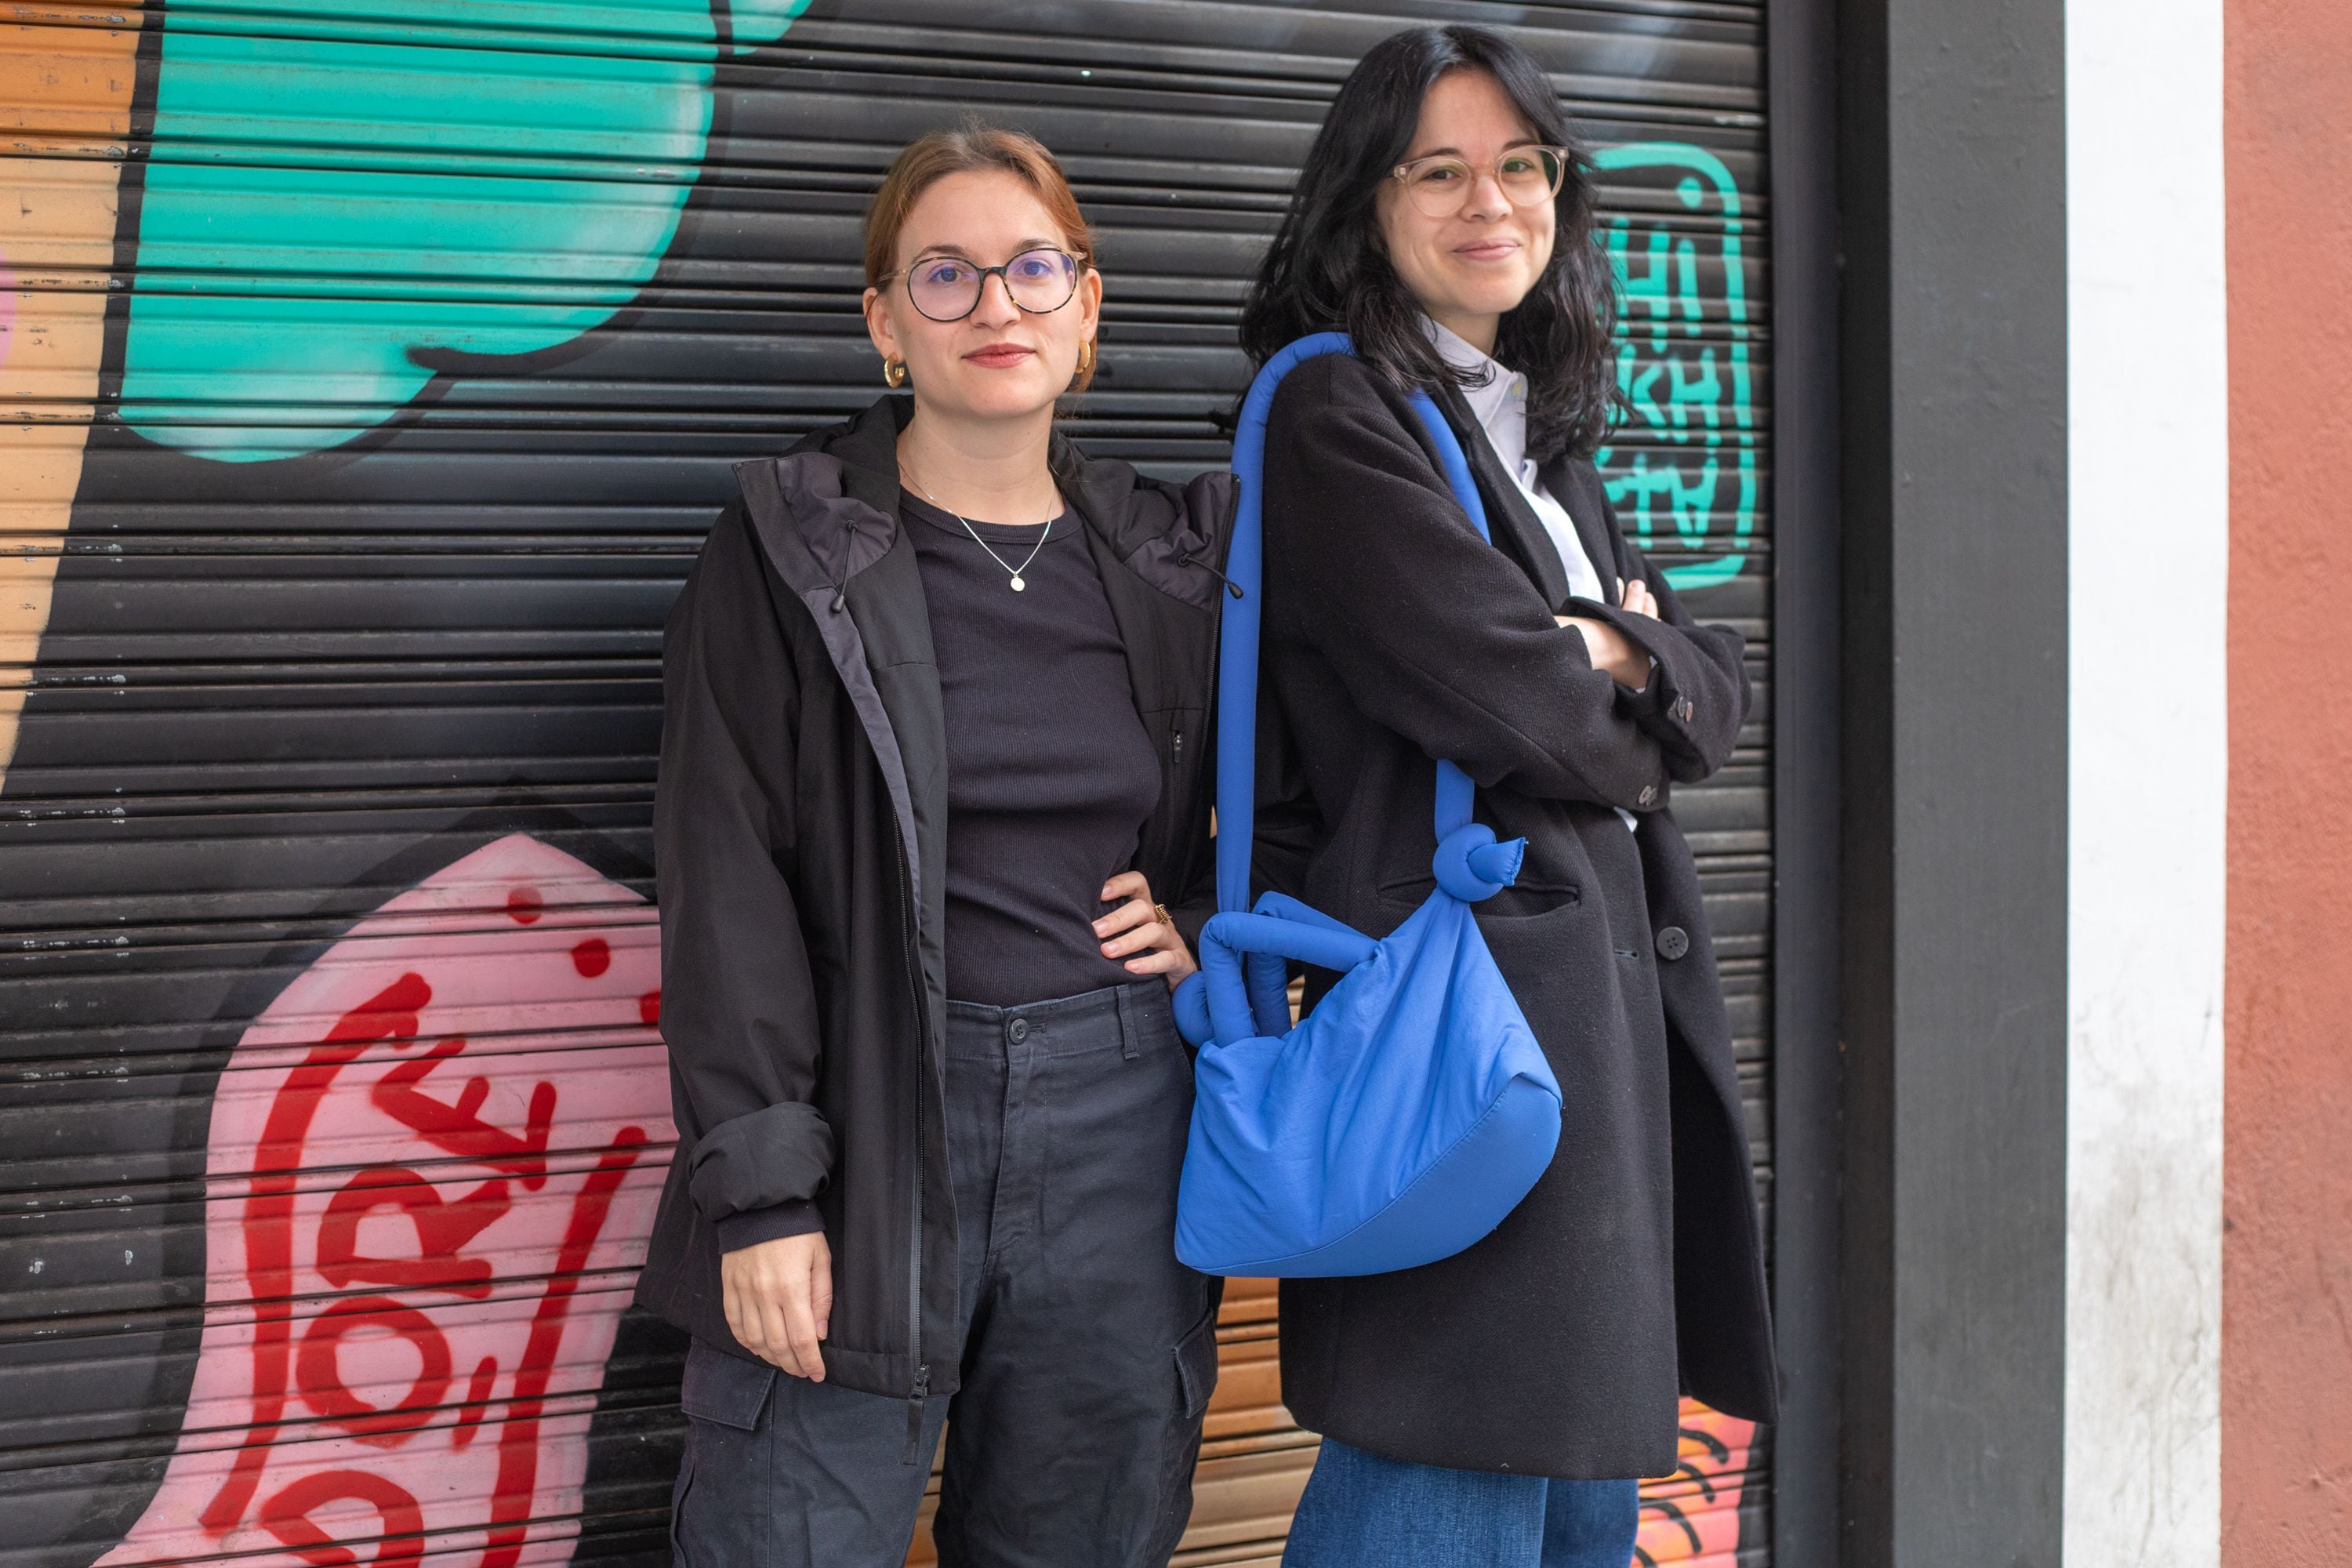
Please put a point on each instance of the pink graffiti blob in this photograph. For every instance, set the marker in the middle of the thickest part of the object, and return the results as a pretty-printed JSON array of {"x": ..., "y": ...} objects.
[{"x": 433, "y": 1165}]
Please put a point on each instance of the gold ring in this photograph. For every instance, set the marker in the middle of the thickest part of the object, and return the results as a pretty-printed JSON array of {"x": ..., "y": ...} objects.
[{"x": 1165, "y": 918}]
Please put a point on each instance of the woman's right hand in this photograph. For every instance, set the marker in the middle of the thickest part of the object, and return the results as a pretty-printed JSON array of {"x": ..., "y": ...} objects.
[
  {"x": 778, "y": 1301},
  {"x": 1611, "y": 649}
]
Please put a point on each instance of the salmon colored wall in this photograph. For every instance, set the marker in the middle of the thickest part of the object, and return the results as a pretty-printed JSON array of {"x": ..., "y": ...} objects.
[{"x": 2287, "y": 1367}]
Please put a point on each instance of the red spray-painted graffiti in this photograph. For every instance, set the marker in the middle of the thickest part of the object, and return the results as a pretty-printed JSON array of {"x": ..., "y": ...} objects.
[
  {"x": 1692, "y": 1516},
  {"x": 432, "y": 1163}
]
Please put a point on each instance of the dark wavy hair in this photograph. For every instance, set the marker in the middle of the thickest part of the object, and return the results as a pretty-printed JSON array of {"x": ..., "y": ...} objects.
[{"x": 1328, "y": 270}]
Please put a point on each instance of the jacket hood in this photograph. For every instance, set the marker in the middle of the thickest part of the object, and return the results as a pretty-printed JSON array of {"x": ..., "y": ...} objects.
[{"x": 838, "y": 488}]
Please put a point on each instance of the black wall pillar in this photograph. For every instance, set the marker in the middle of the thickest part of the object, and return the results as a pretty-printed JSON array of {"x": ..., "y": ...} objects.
[
  {"x": 1952, "y": 197},
  {"x": 1800, "y": 49}
]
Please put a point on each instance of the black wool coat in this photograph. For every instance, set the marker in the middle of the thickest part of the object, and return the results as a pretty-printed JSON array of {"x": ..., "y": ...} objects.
[
  {"x": 800, "y": 839},
  {"x": 1633, "y": 1271}
]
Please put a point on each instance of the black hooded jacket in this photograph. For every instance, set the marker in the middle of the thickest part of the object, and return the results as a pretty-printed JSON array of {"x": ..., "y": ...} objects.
[{"x": 800, "y": 831}]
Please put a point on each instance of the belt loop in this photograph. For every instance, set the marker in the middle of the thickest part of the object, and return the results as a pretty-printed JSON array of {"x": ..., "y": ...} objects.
[{"x": 1130, "y": 1027}]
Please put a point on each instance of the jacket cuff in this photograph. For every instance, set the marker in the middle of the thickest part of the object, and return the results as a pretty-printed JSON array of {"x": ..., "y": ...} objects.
[
  {"x": 752, "y": 1227},
  {"x": 779, "y": 1155},
  {"x": 1641, "y": 703},
  {"x": 1660, "y": 706}
]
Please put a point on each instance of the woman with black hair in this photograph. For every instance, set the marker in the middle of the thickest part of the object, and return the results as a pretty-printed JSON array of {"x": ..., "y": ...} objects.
[{"x": 1497, "y": 1406}]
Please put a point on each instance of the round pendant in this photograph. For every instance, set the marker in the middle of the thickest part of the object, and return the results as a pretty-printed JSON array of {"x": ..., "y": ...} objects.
[{"x": 1018, "y": 585}]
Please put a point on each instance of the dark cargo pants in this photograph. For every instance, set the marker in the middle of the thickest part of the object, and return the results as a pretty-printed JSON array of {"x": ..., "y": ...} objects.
[{"x": 1089, "y": 1351}]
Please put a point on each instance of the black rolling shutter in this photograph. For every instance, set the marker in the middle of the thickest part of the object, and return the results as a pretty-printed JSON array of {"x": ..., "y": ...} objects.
[{"x": 341, "y": 736}]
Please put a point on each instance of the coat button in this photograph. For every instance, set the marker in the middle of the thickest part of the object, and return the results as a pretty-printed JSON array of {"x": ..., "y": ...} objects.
[
  {"x": 1673, "y": 943},
  {"x": 1648, "y": 793},
  {"x": 1017, "y": 1030},
  {"x": 1683, "y": 709}
]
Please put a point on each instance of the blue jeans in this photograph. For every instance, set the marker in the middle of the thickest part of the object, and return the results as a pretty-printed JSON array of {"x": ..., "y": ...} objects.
[{"x": 1361, "y": 1510}]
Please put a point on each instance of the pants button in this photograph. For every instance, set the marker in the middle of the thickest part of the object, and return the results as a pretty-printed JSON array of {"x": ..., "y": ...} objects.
[{"x": 1017, "y": 1030}]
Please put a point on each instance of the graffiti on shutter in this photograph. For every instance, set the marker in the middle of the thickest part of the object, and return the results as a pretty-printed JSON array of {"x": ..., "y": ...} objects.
[
  {"x": 373, "y": 373},
  {"x": 431, "y": 1169},
  {"x": 1685, "y": 361}
]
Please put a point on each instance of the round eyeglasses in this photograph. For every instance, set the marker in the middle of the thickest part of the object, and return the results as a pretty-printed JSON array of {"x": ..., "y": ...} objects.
[
  {"x": 948, "y": 287},
  {"x": 1441, "y": 184}
]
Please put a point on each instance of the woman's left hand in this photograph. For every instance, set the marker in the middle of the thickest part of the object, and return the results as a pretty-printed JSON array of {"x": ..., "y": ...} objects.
[{"x": 1135, "y": 932}]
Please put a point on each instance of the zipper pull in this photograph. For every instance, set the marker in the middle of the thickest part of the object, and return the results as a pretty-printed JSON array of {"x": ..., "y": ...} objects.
[
  {"x": 1176, "y": 747},
  {"x": 1186, "y": 558},
  {"x": 915, "y": 1454}
]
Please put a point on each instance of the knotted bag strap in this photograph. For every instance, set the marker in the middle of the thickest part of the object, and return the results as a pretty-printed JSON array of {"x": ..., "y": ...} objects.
[{"x": 1489, "y": 865}]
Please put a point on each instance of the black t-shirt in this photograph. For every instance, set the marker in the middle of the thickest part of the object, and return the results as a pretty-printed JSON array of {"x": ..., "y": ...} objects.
[{"x": 1051, "y": 774}]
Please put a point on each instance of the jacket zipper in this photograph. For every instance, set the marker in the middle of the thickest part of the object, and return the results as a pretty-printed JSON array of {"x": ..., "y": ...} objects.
[
  {"x": 1154, "y": 855},
  {"x": 922, "y": 1387}
]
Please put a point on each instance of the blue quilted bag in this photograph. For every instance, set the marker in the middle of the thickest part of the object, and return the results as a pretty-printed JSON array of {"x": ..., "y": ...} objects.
[{"x": 1412, "y": 1109}]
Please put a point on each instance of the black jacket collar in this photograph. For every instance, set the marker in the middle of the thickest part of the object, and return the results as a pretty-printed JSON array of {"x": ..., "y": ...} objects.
[
  {"x": 826, "y": 516},
  {"x": 1518, "y": 530},
  {"x": 838, "y": 491}
]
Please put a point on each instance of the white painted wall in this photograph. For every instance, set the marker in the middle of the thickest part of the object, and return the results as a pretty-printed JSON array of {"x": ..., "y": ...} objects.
[{"x": 2148, "y": 560}]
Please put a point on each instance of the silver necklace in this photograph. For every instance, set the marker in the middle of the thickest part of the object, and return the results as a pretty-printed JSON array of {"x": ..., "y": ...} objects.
[{"x": 1020, "y": 584}]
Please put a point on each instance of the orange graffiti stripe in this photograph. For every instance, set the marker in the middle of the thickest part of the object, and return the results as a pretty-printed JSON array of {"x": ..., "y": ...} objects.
[{"x": 66, "y": 74}]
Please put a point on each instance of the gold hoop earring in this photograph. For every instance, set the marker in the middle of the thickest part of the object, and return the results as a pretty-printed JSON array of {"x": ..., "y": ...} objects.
[
  {"x": 1085, "y": 361},
  {"x": 894, "y": 374}
]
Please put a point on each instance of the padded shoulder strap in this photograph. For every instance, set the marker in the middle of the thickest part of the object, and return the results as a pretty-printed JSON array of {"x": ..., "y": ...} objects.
[{"x": 1237, "y": 647}]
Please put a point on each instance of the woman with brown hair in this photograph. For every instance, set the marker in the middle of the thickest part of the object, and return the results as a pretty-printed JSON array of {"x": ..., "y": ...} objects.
[{"x": 933, "y": 752}]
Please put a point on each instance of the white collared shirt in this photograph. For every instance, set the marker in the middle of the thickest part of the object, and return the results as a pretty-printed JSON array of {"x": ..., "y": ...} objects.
[{"x": 1499, "y": 404}]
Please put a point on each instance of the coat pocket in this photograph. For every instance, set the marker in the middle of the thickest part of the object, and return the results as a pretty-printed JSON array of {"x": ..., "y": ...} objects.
[
  {"x": 1523, "y": 899},
  {"x": 1529, "y": 899}
]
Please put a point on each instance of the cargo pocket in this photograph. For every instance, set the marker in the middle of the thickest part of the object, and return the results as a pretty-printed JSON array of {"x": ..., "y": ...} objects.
[
  {"x": 1196, "y": 1380},
  {"x": 714, "y": 1517},
  {"x": 1196, "y": 1366},
  {"x": 724, "y": 1388},
  {"x": 679, "y": 1491}
]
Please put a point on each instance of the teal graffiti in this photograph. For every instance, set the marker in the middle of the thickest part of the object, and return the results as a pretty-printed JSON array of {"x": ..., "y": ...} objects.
[
  {"x": 1691, "y": 396},
  {"x": 337, "y": 198}
]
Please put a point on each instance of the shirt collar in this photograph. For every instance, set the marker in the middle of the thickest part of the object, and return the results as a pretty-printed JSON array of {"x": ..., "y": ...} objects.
[{"x": 1496, "y": 393}]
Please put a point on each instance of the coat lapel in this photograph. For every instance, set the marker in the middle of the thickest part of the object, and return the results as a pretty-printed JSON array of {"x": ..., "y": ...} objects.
[
  {"x": 1511, "y": 521},
  {"x": 1577, "y": 486}
]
